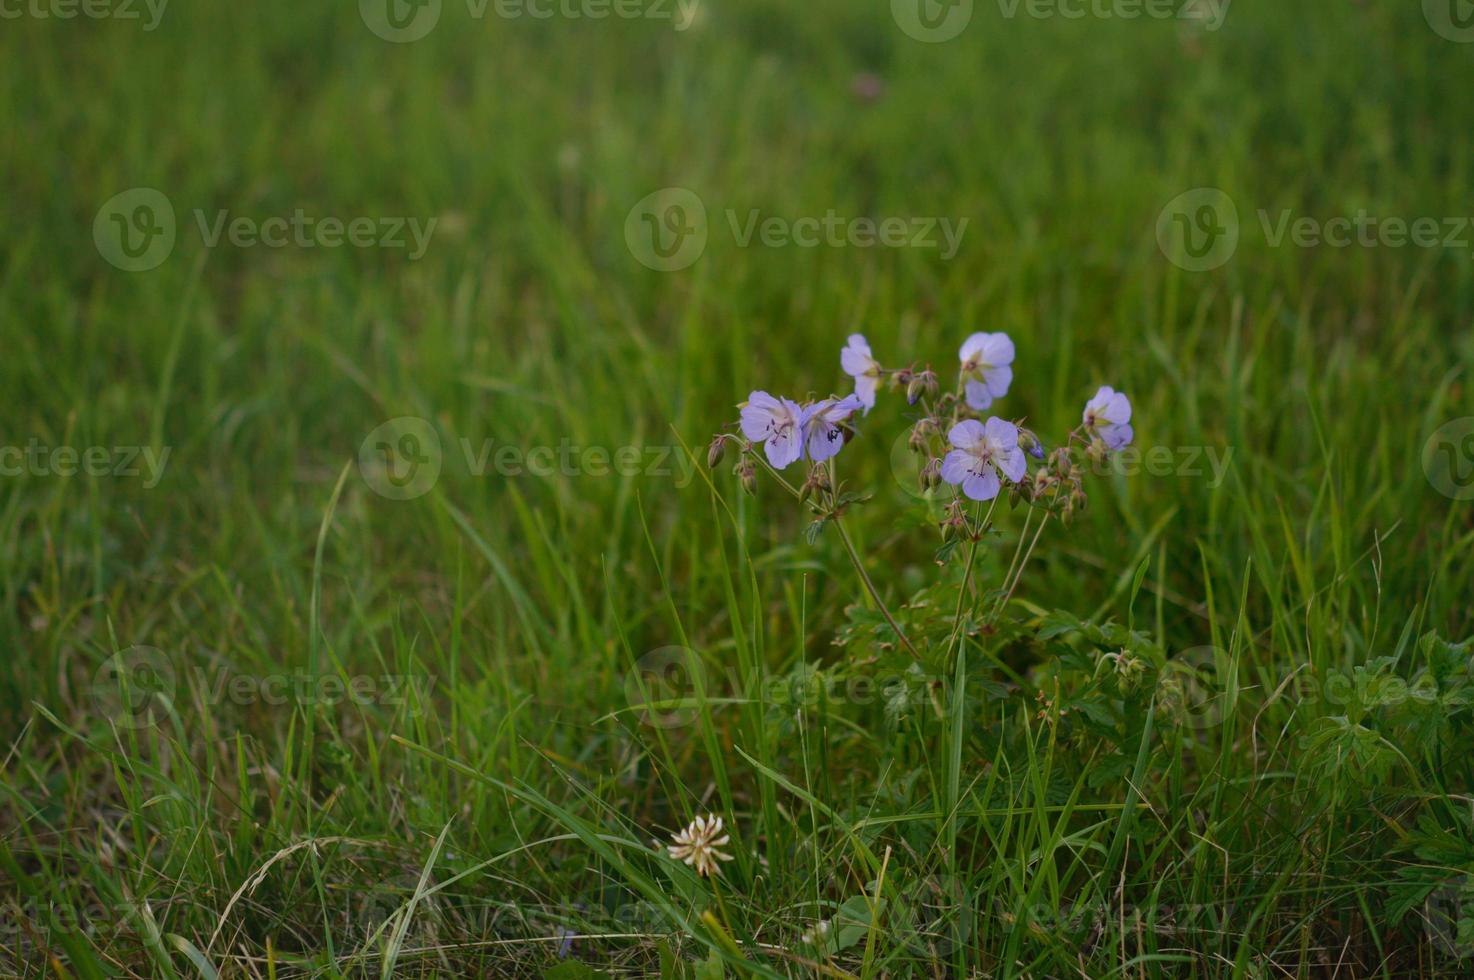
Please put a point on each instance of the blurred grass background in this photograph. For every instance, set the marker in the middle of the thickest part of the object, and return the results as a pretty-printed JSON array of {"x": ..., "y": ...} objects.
[{"x": 523, "y": 601}]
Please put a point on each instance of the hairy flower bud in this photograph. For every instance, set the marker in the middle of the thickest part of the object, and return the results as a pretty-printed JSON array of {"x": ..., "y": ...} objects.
[{"x": 716, "y": 452}]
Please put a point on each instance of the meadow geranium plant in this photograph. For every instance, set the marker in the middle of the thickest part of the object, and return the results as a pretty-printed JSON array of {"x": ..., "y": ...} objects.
[{"x": 971, "y": 457}]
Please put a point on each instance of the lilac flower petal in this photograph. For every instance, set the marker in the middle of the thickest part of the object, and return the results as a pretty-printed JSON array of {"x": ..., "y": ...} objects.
[
  {"x": 997, "y": 380},
  {"x": 1001, "y": 433},
  {"x": 1013, "y": 464},
  {"x": 785, "y": 448},
  {"x": 855, "y": 358},
  {"x": 759, "y": 415},
  {"x": 971, "y": 346},
  {"x": 996, "y": 350},
  {"x": 1118, "y": 409},
  {"x": 1108, "y": 406},
  {"x": 978, "y": 395},
  {"x": 865, "y": 387},
  {"x": 982, "y": 486},
  {"x": 824, "y": 440},
  {"x": 956, "y": 466},
  {"x": 966, "y": 434},
  {"x": 1117, "y": 436}
]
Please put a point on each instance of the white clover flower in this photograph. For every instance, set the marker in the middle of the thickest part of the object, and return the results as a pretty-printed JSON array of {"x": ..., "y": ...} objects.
[
  {"x": 815, "y": 934},
  {"x": 697, "y": 845}
]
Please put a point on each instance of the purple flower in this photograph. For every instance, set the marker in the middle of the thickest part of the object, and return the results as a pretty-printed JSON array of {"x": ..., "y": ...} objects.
[
  {"x": 858, "y": 364},
  {"x": 822, "y": 435},
  {"x": 777, "y": 423},
  {"x": 1108, "y": 415},
  {"x": 987, "y": 367},
  {"x": 982, "y": 452}
]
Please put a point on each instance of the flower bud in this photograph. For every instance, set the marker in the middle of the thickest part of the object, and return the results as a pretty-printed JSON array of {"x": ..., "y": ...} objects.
[
  {"x": 717, "y": 450},
  {"x": 915, "y": 390},
  {"x": 747, "y": 476},
  {"x": 931, "y": 474},
  {"x": 1030, "y": 443}
]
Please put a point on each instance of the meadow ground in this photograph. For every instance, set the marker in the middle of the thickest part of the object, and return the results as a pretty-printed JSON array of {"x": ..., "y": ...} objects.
[{"x": 264, "y": 718}]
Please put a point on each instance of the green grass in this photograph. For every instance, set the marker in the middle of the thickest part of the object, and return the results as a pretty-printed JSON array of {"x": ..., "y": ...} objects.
[{"x": 508, "y": 786}]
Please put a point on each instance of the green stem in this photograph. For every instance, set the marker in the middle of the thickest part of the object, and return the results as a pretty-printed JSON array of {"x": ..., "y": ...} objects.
[
  {"x": 870, "y": 586},
  {"x": 849, "y": 549}
]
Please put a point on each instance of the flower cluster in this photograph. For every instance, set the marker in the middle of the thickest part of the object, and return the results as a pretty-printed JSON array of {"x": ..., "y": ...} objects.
[{"x": 981, "y": 456}]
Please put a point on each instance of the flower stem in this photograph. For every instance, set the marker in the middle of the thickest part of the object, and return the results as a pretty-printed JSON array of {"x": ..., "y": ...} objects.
[
  {"x": 870, "y": 587},
  {"x": 850, "y": 550}
]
